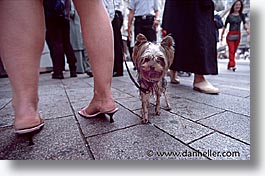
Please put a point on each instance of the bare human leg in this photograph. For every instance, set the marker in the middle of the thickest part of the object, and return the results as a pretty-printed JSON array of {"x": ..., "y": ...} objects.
[
  {"x": 98, "y": 38},
  {"x": 21, "y": 44}
]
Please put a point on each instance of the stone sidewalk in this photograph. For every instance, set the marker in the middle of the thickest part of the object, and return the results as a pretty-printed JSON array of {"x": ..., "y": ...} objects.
[{"x": 216, "y": 125}]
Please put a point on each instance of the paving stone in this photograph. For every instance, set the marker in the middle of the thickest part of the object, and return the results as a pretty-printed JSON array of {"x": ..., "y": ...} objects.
[
  {"x": 234, "y": 91},
  {"x": 192, "y": 110},
  {"x": 182, "y": 129},
  {"x": 117, "y": 94},
  {"x": 222, "y": 101},
  {"x": 232, "y": 124},
  {"x": 101, "y": 124},
  {"x": 51, "y": 90},
  {"x": 126, "y": 86},
  {"x": 5, "y": 94},
  {"x": 133, "y": 103},
  {"x": 141, "y": 142},
  {"x": 220, "y": 143},
  {"x": 7, "y": 116},
  {"x": 5, "y": 84},
  {"x": 4, "y": 102},
  {"x": 54, "y": 106},
  {"x": 59, "y": 140},
  {"x": 80, "y": 94},
  {"x": 81, "y": 81}
]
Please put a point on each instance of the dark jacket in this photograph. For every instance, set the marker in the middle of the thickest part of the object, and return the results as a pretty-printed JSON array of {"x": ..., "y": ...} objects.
[{"x": 191, "y": 23}]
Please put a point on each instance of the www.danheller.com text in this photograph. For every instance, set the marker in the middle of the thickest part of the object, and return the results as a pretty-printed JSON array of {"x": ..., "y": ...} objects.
[{"x": 187, "y": 153}]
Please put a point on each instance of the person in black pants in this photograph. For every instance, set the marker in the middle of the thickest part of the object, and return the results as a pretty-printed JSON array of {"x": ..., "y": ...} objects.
[
  {"x": 3, "y": 73},
  {"x": 191, "y": 24},
  {"x": 146, "y": 16},
  {"x": 57, "y": 18},
  {"x": 117, "y": 23}
]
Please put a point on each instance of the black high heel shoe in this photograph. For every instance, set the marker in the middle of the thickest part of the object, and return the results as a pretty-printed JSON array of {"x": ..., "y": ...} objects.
[{"x": 111, "y": 113}]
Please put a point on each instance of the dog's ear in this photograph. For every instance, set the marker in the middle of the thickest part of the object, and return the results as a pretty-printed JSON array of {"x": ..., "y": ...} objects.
[
  {"x": 140, "y": 40},
  {"x": 168, "y": 44}
]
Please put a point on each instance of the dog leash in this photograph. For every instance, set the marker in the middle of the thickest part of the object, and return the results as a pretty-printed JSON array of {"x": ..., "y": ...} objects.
[{"x": 133, "y": 80}]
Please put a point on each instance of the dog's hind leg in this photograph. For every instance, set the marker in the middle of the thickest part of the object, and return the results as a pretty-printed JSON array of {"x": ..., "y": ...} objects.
[
  {"x": 168, "y": 106},
  {"x": 157, "y": 109},
  {"x": 145, "y": 102}
]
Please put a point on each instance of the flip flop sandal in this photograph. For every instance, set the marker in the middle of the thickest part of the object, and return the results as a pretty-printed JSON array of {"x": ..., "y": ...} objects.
[
  {"x": 83, "y": 113},
  {"x": 30, "y": 129}
]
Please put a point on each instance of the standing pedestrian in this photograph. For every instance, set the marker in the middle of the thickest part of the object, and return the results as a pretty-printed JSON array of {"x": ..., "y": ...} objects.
[
  {"x": 146, "y": 16},
  {"x": 117, "y": 23},
  {"x": 191, "y": 24},
  {"x": 235, "y": 18},
  {"x": 82, "y": 65},
  {"x": 115, "y": 10},
  {"x": 57, "y": 18}
]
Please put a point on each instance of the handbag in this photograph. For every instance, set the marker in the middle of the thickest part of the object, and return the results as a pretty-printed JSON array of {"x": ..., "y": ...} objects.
[{"x": 233, "y": 37}]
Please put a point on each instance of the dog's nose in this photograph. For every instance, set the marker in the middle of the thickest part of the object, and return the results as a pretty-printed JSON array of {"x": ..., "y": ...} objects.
[{"x": 152, "y": 67}]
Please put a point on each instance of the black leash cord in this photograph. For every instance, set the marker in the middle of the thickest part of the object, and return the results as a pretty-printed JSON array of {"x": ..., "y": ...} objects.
[{"x": 133, "y": 80}]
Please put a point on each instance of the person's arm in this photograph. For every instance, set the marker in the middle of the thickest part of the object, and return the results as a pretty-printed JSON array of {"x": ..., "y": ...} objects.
[
  {"x": 246, "y": 28},
  {"x": 245, "y": 24},
  {"x": 130, "y": 19},
  {"x": 223, "y": 30},
  {"x": 157, "y": 20}
]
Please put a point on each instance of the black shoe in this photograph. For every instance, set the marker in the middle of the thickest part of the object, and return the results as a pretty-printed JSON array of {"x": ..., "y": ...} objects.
[
  {"x": 57, "y": 76},
  {"x": 73, "y": 74},
  {"x": 89, "y": 74},
  {"x": 115, "y": 74},
  {"x": 4, "y": 76}
]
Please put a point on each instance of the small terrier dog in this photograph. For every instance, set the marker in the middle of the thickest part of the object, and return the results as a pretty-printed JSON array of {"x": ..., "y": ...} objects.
[{"x": 152, "y": 62}]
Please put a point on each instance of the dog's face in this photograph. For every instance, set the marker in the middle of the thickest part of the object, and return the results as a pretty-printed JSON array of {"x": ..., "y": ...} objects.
[{"x": 153, "y": 60}]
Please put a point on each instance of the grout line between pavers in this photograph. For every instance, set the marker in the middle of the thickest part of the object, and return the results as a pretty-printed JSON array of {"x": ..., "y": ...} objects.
[
  {"x": 122, "y": 92},
  {"x": 224, "y": 134},
  {"x": 215, "y": 106},
  {"x": 5, "y": 104},
  {"x": 198, "y": 123},
  {"x": 119, "y": 129},
  {"x": 207, "y": 117},
  {"x": 90, "y": 153},
  {"x": 186, "y": 144},
  {"x": 201, "y": 137}
]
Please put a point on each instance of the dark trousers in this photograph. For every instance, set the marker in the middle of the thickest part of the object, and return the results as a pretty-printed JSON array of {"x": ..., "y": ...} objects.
[
  {"x": 2, "y": 69},
  {"x": 58, "y": 40},
  {"x": 145, "y": 27},
  {"x": 118, "y": 44}
]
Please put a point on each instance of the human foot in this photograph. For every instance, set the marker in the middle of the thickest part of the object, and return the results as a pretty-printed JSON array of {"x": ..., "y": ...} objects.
[
  {"x": 97, "y": 107},
  {"x": 28, "y": 124}
]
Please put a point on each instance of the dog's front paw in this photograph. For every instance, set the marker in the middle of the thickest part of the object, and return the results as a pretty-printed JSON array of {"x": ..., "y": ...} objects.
[
  {"x": 145, "y": 118},
  {"x": 158, "y": 112},
  {"x": 145, "y": 121}
]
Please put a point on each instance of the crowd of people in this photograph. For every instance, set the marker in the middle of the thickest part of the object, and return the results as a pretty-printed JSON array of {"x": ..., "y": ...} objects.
[{"x": 26, "y": 25}]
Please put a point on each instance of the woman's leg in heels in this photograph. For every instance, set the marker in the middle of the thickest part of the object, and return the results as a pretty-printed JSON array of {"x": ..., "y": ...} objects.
[
  {"x": 21, "y": 43},
  {"x": 98, "y": 38}
]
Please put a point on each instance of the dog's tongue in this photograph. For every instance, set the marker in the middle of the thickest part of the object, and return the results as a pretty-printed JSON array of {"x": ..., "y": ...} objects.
[{"x": 154, "y": 75}]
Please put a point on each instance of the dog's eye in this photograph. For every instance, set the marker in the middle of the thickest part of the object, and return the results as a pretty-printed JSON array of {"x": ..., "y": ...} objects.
[
  {"x": 160, "y": 61},
  {"x": 146, "y": 59}
]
